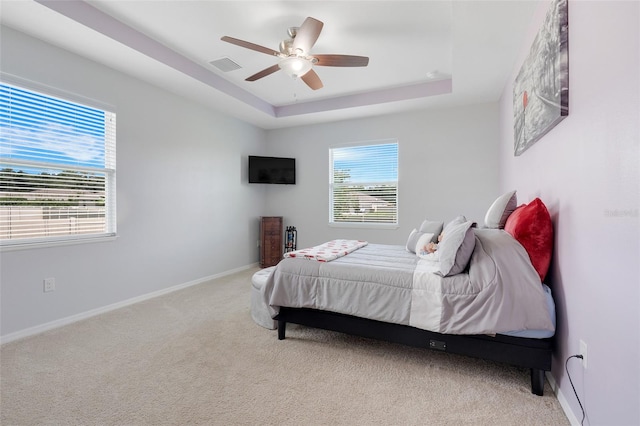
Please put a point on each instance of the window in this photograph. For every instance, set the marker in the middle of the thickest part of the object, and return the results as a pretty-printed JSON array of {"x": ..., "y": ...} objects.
[
  {"x": 363, "y": 185},
  {"x": 57, "y": 169}
]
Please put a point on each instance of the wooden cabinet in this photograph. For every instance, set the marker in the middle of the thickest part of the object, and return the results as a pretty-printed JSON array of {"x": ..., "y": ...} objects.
[{"x": 270, "y": 240}]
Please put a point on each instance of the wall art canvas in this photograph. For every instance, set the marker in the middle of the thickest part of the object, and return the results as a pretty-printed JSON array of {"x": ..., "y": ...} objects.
[{"x": 541, "y": 89}]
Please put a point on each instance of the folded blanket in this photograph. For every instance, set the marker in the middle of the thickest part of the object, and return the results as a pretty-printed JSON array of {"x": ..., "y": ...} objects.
[{"x": 328, "y": 251}]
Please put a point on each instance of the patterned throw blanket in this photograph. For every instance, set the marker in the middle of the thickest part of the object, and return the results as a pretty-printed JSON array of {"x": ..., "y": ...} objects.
[{"x": 328, "y": 251}]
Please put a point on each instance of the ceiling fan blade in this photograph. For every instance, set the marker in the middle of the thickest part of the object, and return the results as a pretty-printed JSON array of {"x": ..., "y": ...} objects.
[
  {"x": 265, "y": 72},
  {"x": 251, "y": 46},
  {"x": 312, "y": 80},
  {"x": 341, "y": 60},
  {"x": 307, "y": 35}
]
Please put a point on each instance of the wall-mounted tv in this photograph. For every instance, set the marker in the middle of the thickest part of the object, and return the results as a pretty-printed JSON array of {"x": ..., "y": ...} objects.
[{"x": 272, "y": 170}]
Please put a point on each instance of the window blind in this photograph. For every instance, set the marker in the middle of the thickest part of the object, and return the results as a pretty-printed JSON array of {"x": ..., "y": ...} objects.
[
  {"x": 364, "y": 183},
  {"x": 57, "y": 168}
]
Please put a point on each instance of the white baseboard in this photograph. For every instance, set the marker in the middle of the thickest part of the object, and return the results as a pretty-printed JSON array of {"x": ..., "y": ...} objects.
[
  {"x": 92, "y": 313},
  {"x": 562, "y": 400}
]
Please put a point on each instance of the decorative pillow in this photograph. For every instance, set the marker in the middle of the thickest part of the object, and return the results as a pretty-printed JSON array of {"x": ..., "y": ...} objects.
[
  {"x": 456, "y": 248},
  {"x": 531, "y": 225},
  {"x": 424, "y": 239},
  {"x": 500, "y": 210},
  {"x": 429, "y": 226},
  {"x": 413, "y": 240}
]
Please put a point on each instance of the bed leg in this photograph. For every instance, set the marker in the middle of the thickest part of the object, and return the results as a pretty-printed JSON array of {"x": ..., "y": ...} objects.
[
  {"x": 282, "y": 327},
  {"x": 537, "y": 381}
]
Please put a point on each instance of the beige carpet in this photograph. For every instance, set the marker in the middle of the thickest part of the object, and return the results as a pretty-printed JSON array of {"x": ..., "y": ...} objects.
[{"x": 196, "y": 357}]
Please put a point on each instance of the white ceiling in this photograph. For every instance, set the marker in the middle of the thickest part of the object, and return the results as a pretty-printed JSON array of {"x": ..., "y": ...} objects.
[{"x": 422, "y": 54}]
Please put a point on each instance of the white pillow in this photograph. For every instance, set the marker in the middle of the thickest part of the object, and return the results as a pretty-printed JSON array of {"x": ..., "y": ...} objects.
[
  {"x": 424, "y": 239},
  {"x": 500, "y": 210},
  {"x": 412, "y": 240}
]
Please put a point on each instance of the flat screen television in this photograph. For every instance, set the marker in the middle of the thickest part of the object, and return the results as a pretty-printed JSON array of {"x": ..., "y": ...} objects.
[{"x": 275, "y": 170}]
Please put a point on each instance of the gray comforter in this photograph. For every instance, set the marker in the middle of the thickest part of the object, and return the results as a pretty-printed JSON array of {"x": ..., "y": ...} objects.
[{"x": 499, "y": 292}]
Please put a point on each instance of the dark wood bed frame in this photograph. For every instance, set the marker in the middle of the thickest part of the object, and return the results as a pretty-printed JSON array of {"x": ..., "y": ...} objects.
[{"x": 534, "y": 354}]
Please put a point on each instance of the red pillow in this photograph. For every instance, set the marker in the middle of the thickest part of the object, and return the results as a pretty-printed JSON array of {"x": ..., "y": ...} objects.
[{"x": 530, "y": 224}]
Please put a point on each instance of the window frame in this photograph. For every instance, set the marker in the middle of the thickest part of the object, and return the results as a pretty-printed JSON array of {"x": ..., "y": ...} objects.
[
  {"x": 368, "y": 224},
  {"x": 108, "y": 168}
]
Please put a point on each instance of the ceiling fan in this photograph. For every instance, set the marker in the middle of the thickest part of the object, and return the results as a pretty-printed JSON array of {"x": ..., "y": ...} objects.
[{"x": 295, "y": 59}]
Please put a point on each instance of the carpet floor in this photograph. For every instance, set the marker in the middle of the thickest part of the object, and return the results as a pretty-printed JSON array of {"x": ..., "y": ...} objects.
[{"x": 195, "y": 357}]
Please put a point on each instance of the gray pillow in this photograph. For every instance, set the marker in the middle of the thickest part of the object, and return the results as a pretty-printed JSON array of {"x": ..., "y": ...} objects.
[
  {"x": 500, "y": 210},
  {"x": 456, "y": 221},
  {"x": 456, "y": 248},
  {"x": 429, "y": 226}
]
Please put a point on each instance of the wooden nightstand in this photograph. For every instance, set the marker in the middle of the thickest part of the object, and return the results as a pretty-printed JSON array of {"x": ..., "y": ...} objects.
[{"x": 271, "y": 246}]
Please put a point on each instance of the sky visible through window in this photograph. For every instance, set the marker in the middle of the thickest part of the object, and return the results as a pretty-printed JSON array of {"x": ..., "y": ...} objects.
[
  {"x": 353, "y": 158},
  {"x": 57, "y": 169},
  {"x": 40, "y": 128}
]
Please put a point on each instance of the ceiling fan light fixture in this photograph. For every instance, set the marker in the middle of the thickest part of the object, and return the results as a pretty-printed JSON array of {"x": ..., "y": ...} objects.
[{"x": 295, "y": 66}]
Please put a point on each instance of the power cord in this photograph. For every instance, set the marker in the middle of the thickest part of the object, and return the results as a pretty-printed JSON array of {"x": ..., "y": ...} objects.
[{"x": 571, "y": 381}]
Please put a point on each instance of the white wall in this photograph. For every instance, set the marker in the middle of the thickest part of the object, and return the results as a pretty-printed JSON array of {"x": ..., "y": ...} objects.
[
  {"x": 586, "y": 170},
  {"x": 448, "y": 165},
  {"x": 185, "y": 211}
]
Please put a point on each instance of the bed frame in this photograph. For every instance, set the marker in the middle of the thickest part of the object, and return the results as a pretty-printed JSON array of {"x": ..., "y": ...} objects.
[{"x": 534, "y": 354}]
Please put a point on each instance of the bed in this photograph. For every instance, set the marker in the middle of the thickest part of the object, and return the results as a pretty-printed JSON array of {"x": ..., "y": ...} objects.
[{"x": 482, "y": 296}]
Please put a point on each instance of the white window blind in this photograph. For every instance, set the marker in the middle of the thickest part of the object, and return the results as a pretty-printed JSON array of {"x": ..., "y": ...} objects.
[
  {"x": 364, "y": 184},
  {"x": 57, "y": 169}
]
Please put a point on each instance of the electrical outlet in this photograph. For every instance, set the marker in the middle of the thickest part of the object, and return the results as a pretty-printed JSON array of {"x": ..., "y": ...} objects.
[
  {"x": 49, "y": 284},
  {"x": 583, "y": 352},
  {"x": 257, "y": 243}
]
